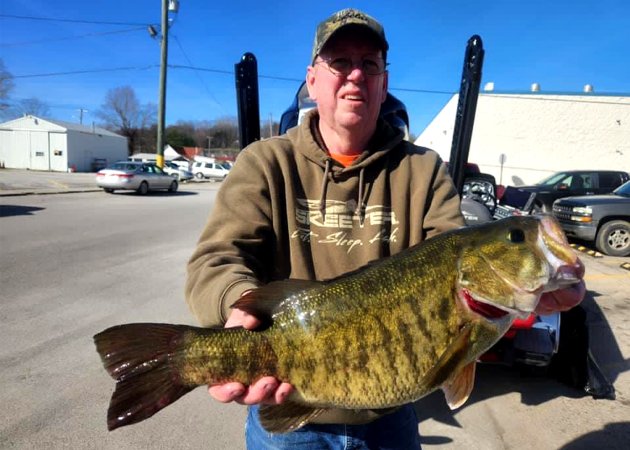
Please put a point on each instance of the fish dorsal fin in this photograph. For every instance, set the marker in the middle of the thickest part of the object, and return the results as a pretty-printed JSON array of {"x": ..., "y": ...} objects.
[
  {"x": 286, "y": 417},
  {"x": 263, "y": 301},
  {"x": 458, "y": 388}
]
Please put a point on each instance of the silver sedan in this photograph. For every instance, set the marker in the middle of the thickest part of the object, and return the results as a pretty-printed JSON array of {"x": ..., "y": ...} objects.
[{"x": 141, "y": 177}]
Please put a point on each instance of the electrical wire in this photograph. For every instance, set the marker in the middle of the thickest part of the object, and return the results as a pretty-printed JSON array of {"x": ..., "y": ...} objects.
[
  {"x": 201, "y": 80},
  {"x": 52, "y": 19},
  {"x": 79, "y": 72},
  {"x": 67, "y": 38},
  {"x": 524, "y": 96}
]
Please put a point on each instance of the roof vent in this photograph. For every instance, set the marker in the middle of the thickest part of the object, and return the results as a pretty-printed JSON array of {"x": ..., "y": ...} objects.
[
  {"x": 588, "y": 88},
  {"x": 489, "y": 86},
  {"x": 535, "y": 87}
]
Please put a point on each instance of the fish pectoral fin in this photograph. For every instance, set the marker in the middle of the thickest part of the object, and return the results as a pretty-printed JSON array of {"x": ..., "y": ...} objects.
[
  {"x": 286, "y": 417},
  {"x": 457, "y": 389}
]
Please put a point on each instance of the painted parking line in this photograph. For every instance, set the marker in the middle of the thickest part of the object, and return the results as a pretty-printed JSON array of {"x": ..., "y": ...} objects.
[
  {"x": 625, "y": 266},
  {"x": 588, "y": 251}
]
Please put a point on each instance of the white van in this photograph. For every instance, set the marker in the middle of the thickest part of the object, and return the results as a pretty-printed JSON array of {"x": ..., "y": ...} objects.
[{"x": 211, "y": 170}]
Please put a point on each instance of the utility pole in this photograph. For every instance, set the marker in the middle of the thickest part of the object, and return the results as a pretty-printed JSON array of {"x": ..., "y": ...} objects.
[
  {"x": 167, "y": 5},
  {"x": 81, "y": 111}
]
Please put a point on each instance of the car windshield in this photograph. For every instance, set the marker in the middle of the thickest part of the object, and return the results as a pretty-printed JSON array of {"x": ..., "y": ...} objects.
[
  {"x": 623, "y": 190},
  {"x": 552, "y": 180},
  {"x": 123, "y": 166}
]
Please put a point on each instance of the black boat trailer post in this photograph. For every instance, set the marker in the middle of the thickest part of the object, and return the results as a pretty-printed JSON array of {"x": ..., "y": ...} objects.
[
  {"x": 466, "y": 108},
  {"x": 246, "y": 74}
]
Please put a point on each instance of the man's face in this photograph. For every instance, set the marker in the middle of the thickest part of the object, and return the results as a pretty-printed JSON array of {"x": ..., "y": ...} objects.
[{"x": 347, "y": 102}]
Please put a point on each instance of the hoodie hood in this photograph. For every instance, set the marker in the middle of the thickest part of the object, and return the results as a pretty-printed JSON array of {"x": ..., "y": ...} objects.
[{"x": 308, "y": 141}]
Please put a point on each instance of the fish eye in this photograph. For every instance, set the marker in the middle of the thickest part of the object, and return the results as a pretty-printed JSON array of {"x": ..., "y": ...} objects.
[{"x": 516, "y": 236}]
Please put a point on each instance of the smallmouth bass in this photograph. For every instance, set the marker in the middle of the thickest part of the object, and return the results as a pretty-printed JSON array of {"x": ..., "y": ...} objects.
[{"x": 379, "y": 337}]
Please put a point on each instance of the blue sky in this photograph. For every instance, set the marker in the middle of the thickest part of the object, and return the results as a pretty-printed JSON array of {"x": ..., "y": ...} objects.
[{"x": 560, "y": 44}]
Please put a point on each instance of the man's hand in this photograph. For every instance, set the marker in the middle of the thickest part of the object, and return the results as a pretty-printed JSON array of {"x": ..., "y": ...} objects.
[
  {"x": 562, "y": 299},
  {"x": 266, "y": 390}
]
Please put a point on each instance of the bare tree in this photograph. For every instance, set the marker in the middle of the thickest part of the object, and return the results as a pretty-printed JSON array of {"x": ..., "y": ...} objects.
[
  {"x": 123, "y": 113},
  {"x": 32, "y": 106},
  {"x": 6, "y": 86},
  {"x": 224, "y": 133}
]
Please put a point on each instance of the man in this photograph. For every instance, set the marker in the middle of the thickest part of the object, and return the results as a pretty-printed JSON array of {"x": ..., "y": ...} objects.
[{"x": 341, "y": 189}]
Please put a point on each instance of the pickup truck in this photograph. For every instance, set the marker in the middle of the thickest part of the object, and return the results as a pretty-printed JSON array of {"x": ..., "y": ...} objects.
[
  {"x": 602, "y": 219},
  {"x": 574, "y": 182}
]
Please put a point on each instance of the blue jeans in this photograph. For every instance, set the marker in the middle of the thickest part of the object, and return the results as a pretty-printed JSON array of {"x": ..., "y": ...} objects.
[{"x": 395, "y": 431}]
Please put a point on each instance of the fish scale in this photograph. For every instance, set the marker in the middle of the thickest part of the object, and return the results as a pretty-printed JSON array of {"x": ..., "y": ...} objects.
[{"x": 381, "y": 336}]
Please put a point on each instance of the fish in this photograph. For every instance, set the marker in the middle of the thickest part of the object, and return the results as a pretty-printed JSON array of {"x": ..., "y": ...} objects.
[{"x": 376, "y": 338}]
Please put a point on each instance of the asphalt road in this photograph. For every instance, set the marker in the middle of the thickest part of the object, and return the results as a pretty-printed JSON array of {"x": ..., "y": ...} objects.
[{"x": 74, "y": 264}]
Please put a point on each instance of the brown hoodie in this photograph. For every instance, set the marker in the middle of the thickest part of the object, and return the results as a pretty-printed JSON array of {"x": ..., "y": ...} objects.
[{"x": 288, "y": 210}]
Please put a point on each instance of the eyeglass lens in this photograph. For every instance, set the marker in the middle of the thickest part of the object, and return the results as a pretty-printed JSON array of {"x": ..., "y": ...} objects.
[{"x": 344, "y": 66}]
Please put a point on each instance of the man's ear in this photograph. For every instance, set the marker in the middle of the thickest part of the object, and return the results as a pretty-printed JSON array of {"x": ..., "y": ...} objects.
[{"x": 310, "y": 82}]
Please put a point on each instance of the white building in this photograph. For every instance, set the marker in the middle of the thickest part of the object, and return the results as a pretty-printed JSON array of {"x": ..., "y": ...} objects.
[
  {"x": 43, "y": 144},
  {"x": 539, "y": 134}
]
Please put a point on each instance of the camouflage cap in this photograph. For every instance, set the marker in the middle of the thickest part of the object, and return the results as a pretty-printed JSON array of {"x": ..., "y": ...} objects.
[{"x": 341, "y": 19}]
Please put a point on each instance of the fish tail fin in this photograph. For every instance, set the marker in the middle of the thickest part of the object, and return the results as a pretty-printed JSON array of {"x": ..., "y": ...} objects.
[{"x": 139, "y": 357}]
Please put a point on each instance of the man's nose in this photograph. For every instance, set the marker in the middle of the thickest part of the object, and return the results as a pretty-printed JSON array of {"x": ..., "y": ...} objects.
[{"x": 356, "y": 74}]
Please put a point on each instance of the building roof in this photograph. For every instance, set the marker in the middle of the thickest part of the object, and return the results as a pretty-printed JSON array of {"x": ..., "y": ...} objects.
[{"x": 27, "y": 122}]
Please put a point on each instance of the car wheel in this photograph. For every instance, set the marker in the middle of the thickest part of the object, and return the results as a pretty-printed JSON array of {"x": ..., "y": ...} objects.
[
  {"x": 613, "y": 238},
  {"x": 199, "y": 176},
  {"x": 108, "y": 190},
  {"x": 173, "y": 187},
  {"x": 143, "y": 188}
]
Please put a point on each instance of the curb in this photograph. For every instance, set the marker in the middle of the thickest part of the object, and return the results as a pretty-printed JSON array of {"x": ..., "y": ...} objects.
[{"x": 17, "y": 193}]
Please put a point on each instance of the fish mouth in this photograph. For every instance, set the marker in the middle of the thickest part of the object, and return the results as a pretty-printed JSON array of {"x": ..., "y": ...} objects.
[{"x": 485, "y": 309}]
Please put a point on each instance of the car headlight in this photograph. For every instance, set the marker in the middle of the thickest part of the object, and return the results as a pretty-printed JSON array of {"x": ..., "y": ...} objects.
[
  {"x": 583, "y": 210},
  {"x": 583, "y": 214}
]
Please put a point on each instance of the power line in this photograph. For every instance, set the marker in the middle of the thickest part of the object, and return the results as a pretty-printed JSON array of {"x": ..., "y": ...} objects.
[
  {"x": 538, "y": 96},
  {"x": 201, "y": 80},
  {"x": 53, "y": 19},
  {"x": 78, "y": 72},
  {"x": 17, "y": 44}
]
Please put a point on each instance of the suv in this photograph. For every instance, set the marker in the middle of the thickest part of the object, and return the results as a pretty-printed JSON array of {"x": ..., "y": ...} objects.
[
  {"x": 212, "y": 170},
  {"x": 603, "y": 219},
  {"x": 574, "y": 182}
]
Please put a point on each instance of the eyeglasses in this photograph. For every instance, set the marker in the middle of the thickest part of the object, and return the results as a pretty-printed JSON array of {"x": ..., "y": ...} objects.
[{"x": 342, "y": 67}]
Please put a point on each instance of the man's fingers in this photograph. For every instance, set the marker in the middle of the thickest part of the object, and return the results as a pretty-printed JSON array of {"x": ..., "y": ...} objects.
[
  {"x": 562, "y": 299},
  {"x": 240, "y": 318},
  {"x": 227, "y": 392},
  {"x": 260, "y": 391},
  {"x": 282, "y": 393}
]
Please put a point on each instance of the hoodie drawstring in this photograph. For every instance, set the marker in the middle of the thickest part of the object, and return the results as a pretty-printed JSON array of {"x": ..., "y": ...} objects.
[
  {"x": 322, "y": 194},
  {"x": 359, "y": 209}
]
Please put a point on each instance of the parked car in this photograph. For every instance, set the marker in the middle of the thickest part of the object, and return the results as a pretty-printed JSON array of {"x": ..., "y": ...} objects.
[
  {"x": 141, "y": 177},
  {"x": 177, "y": 171},
  {"x": 211, "y": 170},
  {"x": 602, "y": 219},
  {"x": 572, "y": 183}
]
